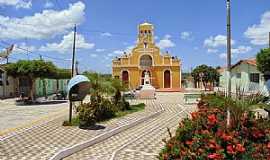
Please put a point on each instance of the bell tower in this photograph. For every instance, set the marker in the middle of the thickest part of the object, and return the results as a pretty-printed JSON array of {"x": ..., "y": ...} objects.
[{"x": 146, "y": 34}]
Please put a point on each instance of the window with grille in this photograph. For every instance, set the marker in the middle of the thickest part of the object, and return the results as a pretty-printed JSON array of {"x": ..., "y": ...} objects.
[
  {"x": 254, "y": 77},
  {"x": 238, "y": 75}
]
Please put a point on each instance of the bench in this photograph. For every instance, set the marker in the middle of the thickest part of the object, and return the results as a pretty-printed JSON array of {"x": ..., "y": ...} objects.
[{"x": 192, "y": 98}]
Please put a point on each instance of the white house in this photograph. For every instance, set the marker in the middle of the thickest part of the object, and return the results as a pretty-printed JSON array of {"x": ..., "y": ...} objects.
[
  {"x": 7, "y": 85},
  {"x": 245, "y": 77}
]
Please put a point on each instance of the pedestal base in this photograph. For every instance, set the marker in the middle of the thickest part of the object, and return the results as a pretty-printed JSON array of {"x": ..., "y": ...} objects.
[{"x": 147, "y": 94}]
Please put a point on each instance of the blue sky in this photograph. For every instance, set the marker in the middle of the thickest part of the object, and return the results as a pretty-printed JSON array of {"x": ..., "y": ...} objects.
[{"x": 190, "y": 29}]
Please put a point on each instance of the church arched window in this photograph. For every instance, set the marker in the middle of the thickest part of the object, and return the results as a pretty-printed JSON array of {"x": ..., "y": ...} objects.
[
  {"x": 146, "y": 61},
  {"x": 145, "y": 44}
]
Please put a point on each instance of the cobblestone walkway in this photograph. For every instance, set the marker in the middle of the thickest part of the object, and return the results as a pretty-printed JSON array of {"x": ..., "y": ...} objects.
[
  {"x": 142, "y": 142},
  {"x": 42, "y": 142},
  {"x": 13, "y": 116}
]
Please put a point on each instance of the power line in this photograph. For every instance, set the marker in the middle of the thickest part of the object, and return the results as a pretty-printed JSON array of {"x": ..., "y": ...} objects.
[{"x": 55, "y": 58}]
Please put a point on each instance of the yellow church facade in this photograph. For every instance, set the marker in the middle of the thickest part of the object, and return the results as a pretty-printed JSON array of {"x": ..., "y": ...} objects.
[{"x": 164, "y": 69}]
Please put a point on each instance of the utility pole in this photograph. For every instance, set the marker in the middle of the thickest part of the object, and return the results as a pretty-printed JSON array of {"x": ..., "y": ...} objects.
[
  {"x": 229, "y": 47},
  {"x": 76, "y": 68},
  {"x": 73, "y": 53},
  {"x": 229, "y": 57},
  {"x": 269, "y": 39},
  {"x": 72, "y": 70}
]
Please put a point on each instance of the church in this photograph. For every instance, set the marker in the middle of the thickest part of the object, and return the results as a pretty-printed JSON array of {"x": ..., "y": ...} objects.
[{"x": 164, "y": 70}]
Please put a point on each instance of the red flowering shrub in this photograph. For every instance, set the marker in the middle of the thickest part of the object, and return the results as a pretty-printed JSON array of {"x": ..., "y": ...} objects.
[{"x": 205, "y": 136}]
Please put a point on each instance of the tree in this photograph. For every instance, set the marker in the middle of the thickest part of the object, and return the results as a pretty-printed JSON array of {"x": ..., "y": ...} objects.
[
  {"x": 206, "y": 74},
  {"x": 104, "y": 83},
  {"x": 32, "y": 70},
  {"x": 263, "y": 62}
]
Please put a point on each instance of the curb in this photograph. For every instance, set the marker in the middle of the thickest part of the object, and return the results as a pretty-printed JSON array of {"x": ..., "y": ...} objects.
[{"x": 78, "y": 147}]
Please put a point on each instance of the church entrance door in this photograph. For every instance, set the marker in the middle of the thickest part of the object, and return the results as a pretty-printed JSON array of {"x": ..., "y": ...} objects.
[
  {"x": 167, "y": 79},
  {"x": 125, "y": 77}
]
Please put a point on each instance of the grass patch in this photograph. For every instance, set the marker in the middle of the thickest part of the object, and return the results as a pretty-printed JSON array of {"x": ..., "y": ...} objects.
[
  {"x": 75, "y": 121},
  {"x": 133, "y": 108}
]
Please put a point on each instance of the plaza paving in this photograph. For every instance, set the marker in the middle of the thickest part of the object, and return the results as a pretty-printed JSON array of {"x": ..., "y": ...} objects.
[
  {"x": 142, "y": 141},
  {"x": 13, "y": 117}
]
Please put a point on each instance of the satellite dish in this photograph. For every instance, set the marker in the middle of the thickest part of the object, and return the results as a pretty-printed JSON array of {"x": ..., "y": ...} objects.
[{"x": 78, "y": 88}]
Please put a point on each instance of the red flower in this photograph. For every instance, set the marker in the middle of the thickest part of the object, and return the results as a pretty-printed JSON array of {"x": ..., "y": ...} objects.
[
  {"x": 170, "y": 145},
  {"x": 205, "y": 132},
  {"x": 240, "y": 148},
  {"x": 194, "y": 115},
  {"x": 219, "y": 133},
  {"x": 200, "y": 150},
  {"x": 230, "y": 149},
  {"x": 268, "y": 145},
  {"x": 226, "y": 137},
  {"x": 212, "y": 146},
  {"x": 212, "y": 119},
  {"x": 215, "y": 156},
  {"x": 189, "y": 142},
  {"x": 257, "y": 134}
]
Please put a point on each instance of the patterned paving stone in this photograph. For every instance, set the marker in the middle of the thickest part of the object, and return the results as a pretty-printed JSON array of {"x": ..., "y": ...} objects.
[
  {"x": 143, "y": 141},
  {"x": 46, "y": 140}
]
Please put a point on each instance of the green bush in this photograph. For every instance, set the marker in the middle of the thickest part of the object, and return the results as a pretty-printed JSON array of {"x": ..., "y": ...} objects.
[
  {"x": 86, "y": 115},
  {"x": 123, "y": 105},
  {"x": 103, "y": 110}
]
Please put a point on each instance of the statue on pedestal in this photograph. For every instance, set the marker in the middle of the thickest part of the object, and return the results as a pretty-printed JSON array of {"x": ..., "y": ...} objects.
[{"x": 147, "y": 91}]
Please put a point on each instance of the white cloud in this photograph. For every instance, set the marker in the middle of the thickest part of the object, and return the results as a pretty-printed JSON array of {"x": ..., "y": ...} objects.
[
  {"x": 258, "y": 33},
  {"x": 42, "y": 25},
  {"x": 48, "y": 4},
  {"x": 67, "y": 43},
  {"x": 93, "y": 55},
  {"x": 110, "y": 55},
  {"x": 235, "y": 51},
  {"x": 106, "y": 34},
  {"x": 17, "y": 3},
  {"x": 100, "y": 50},
  {"x": 210, "y": 50},
  {"x": 118, "y": 52},
  {"x": 186, "y": 35},
  {"x": 241, "y": 49},
  {"x": 165, "y": 42},
  {"x": 223, "y": 56},
  {"x": 217, "y": 41},
  {"x": 129, "y": 49}
]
